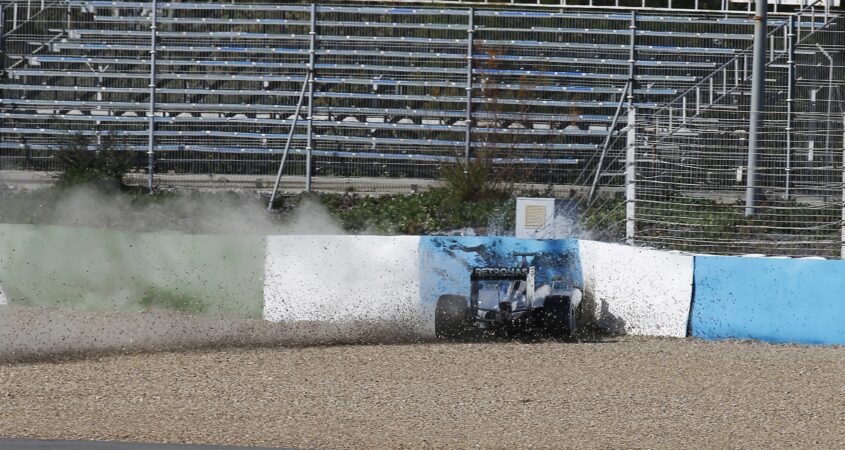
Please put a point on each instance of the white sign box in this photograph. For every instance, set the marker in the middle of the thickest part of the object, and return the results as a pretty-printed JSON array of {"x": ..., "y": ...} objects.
[{"x": 546, "y": 218}]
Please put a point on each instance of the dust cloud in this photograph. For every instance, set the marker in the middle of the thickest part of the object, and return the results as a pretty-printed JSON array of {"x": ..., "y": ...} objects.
[
  {"x": 187, "y": 212},
  {"x": 92, "y": 272}
]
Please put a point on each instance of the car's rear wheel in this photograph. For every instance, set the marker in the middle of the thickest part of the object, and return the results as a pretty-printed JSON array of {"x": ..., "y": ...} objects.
[
  {"x": 561, "y": 318},
  {"x": 450, "y": 317}
]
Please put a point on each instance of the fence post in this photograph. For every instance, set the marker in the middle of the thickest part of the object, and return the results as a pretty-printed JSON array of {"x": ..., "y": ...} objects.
[
  {"x": 631, "y": 178},
  {"x": 811, "y": 127},
  {"x": 152, "y": 112},
  {"x": 2, "y": 40},
  {"x": 632, "y": 60},
  {"x": 2, "y": 59},
  {"x": 758, "y": 103},
  {"x": 842, "y": 254},
  {"x": 309, "y": 144},
  {"x": 790, "y": 92},
  {"x": 468, "y": 136},
  {"x": 828, "y": 150}
]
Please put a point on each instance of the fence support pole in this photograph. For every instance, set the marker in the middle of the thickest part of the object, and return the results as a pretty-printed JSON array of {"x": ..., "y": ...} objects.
[
  {"x": 631, "y": 144},
  {"x": 309, "y": 144},
  {"x": 152, "y": 112},
  {"x": 758, "y": 103},
  {"x": 288, "y": 141},
  {"x": 626, "y": 94},
  {"x": 468, "y": 135},
  {"x": 607, "y": 142},
  {"x": 631, "y": 178},
  {"x": 790, "y": 93}
]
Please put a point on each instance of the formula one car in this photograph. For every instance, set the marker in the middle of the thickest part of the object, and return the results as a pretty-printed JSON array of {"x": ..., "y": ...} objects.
[{"x": 504, "y": 301}]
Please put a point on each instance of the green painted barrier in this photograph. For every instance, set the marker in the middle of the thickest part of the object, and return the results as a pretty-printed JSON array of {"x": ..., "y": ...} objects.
[{"x": 89, "y": 269}]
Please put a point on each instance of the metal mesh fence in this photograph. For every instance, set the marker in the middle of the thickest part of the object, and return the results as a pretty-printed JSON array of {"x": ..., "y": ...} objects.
[
  {"x": 547, "y": 96},
  {"x": 691, "y": 155}
]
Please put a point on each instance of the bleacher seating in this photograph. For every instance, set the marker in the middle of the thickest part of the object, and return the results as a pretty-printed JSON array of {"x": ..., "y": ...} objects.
[{"x": 390, "y": 83}]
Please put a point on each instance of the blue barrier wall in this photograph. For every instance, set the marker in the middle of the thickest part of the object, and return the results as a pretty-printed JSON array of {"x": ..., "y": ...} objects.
[
  {"x": 775, "y": 300},
  {"x": 446, "y": 262}
]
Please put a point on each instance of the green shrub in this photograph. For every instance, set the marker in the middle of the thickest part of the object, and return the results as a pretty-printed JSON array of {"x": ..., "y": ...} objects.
[
  {"x": 471, "y": 181},
  {"x": 430, "y": 212},
  {"x": 473, "y": 195},
  {"x": 103, "y": 166}
]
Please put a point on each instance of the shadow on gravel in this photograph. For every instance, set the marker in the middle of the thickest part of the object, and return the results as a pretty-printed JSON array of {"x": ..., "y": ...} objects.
[
  {"x": 46, "y": 335},
  {"x": 598, "y": 327},
  {"x": 591, "y": 335},
  {"x": 60, "y": 357},
  {"x": 608, "y": 323},
  {"x": 51, "y": 335}
]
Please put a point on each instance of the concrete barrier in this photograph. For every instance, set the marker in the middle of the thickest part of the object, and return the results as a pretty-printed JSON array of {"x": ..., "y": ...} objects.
[
  {"x": 638, "y": 291},
  {"x": 389, "y": 282},
  {"x": 370, "y": 280},
  {"x": 771, "y": 299}
]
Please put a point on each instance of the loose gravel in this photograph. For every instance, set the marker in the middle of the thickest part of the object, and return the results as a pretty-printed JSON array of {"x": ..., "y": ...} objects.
[{"x": 614, "y": 393}]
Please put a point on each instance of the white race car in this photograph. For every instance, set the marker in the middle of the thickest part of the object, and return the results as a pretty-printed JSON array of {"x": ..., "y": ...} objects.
[{"x": 504, "y": 301}]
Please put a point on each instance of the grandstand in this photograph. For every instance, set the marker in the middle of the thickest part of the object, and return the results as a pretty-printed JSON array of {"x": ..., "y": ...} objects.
[{"x": 562, "y": 94}]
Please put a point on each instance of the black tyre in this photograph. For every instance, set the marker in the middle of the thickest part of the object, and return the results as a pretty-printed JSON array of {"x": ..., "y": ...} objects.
[
  {"x": 561, "y": 319},
  {"x": 450, "y": 317}
]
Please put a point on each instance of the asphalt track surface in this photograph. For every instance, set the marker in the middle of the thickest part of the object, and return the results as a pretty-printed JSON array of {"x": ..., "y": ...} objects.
[{"x": 623, "y": 392}]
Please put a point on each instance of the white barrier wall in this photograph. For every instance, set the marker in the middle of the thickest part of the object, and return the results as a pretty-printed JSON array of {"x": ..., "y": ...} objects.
[
  {"x": 637, "y": 291},
  {"x": 344, "y": 279}
]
